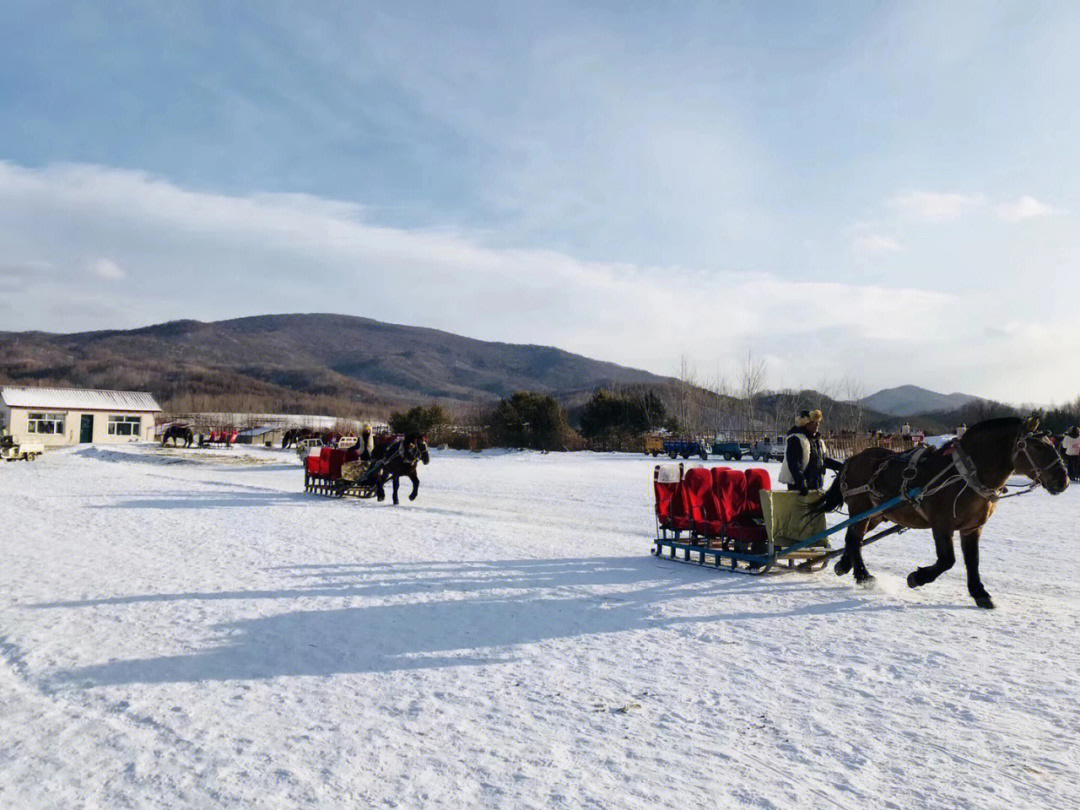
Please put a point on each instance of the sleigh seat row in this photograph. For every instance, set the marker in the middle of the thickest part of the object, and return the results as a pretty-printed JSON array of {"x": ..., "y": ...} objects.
[{"x": 711, "y": 507}]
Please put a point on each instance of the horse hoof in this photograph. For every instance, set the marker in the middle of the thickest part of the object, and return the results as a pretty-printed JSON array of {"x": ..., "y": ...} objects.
[
  {"x": 412, "y": 497},
  {"x": 913, "y": 580},
  {"x": 866, "y": 583},
  {"x": 985, "y": 602},
  {"x": 842, "y": 567}
]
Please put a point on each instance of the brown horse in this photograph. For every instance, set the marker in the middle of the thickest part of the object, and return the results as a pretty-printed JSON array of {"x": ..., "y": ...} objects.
[{"x": 961, "y": 484}]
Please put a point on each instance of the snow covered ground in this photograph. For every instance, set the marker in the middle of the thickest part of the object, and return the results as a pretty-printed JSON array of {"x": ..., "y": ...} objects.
[{"x": 187, "y": 629}]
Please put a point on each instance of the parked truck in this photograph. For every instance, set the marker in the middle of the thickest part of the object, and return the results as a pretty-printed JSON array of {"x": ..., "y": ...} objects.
[
  {"x": 729, "y": 449},
  {"x": 685, "y": 448}
]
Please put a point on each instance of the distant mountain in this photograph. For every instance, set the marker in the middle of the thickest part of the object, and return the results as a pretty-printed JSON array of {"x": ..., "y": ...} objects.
[
  {"x": 911, "y": 400},
  {"x": 300, "y": 361}
]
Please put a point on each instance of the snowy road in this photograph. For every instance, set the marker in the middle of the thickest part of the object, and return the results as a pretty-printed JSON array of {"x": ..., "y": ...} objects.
[{"x": 198, "y": 633}]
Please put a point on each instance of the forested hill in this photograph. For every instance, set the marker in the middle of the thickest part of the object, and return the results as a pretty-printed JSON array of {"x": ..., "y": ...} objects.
[{"x": 300, "y": 361}]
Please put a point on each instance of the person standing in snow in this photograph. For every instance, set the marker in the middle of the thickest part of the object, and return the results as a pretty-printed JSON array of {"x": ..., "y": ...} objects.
[
  {"x": 1070, "y": 446},
  {"x": 805, "y": 461}
]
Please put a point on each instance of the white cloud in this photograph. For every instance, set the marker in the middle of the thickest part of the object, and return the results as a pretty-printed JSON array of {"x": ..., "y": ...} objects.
[
  {"x": 935, "y": 206},
  {"x": 208, "y": 256},
  {"x": 1024, "y": 208},
  {"x": 875, "y": 244},
  {"x": 107, "y": 269}
]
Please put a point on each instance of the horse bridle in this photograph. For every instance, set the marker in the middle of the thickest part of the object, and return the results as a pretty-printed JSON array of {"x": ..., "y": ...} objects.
[{"x": 1022, "y": 445}]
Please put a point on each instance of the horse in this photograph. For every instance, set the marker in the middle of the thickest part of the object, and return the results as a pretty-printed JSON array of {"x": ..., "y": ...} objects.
[
  {"x": 961, "y": 484},
  {"x": 399, "y": 458},
  {"x": 178, "y": 433}
]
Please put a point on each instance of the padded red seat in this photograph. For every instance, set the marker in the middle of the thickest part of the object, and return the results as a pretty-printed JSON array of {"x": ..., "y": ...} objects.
[
  {"x": 757, "y": 479},
  {"x": 334, "y": 460},
  {"x": 666, "y": 490},
  {"x": 749, "y": 532},
  {"x": 729, "y": 487},
  {"x": 700, "y": 501}
]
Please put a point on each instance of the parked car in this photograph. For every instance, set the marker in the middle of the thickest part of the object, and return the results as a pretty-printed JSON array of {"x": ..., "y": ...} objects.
[
  {"x": 769, "y": 448},
  {"x": 730, "y": 450}
]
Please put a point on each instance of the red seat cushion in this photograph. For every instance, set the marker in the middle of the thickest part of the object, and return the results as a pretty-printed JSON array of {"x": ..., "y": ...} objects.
[
  {"x": 665, "y": 490},
  {"x": 335, "y": 460},
  {"x": 750, "y": 532},
  {"x": 729, "y": 487},
  {"x": 757, "y": 479},
  {"x": 701, "y": 502}
]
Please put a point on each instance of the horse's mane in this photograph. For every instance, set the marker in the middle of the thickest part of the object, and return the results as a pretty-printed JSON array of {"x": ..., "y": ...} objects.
[
  {"x": 989, "y": 425},
  {"x": 978, "y": 432}
]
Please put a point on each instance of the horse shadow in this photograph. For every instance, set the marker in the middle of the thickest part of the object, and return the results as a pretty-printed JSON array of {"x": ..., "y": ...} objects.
[{"x": 446, "y": 615}]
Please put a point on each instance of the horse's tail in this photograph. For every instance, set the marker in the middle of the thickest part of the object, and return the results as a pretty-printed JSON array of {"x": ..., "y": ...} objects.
[{"x": 832, "y": 500}]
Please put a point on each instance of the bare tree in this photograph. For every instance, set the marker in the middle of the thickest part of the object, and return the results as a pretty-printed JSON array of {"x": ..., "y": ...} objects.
[
  {"x": 830, "y": 392},
  {"x": 787, "y": 405},
  {"x": 854, "y": 392},
  {"x": 751, "y": 384}
]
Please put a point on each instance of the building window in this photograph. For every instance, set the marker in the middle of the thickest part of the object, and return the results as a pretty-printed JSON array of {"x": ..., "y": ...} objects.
[
  {"x": 46, "y": 423},
  {"x": 124, "y": 425}
]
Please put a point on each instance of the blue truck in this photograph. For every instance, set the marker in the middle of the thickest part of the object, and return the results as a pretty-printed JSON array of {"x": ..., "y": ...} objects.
[
  {"x": 685, "y": 448},
  {"x": 730, "y": 450}
]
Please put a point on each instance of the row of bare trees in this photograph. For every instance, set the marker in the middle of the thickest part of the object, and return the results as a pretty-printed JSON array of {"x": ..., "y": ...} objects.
[{"x": 743, "y": 407}]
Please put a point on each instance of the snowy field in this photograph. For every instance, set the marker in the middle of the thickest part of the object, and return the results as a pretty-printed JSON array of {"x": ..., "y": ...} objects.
[{"x": 188, "y": 629}]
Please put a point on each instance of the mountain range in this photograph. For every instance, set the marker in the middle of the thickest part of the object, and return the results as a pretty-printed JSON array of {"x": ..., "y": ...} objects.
[
  {"x": 324, "y": 363},
  {"x": 301, "y": 361},
  {"x": 911, "y": 400}
]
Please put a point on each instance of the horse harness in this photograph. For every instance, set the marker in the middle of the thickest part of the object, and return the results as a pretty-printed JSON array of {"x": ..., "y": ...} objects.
[{"x": 961, "y": 469}]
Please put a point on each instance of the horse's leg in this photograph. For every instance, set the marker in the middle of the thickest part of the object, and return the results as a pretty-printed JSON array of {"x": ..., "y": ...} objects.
[
  {"x": 847, "y": 560},
  {"x": 395, "y": 489},
  {"x": 946, "y": 556},
  {"x": 415, "y": 483},
  {"x": 969, "y": 544},
  {"x": 853, "y": 538}
]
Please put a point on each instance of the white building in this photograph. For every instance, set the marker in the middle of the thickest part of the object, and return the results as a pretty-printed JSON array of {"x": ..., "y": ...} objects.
[{"x": 63, "y": 416}]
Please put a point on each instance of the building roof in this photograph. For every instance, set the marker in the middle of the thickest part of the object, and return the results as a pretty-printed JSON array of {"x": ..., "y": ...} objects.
[
  {"x": 74, "y": 399},
  {"x": 260, "y": 431}
]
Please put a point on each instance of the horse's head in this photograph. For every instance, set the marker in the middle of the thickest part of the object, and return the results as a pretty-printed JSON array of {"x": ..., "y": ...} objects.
[
  {"x": 416, "y": 448},
  {"x": 1038, "y": 459}
]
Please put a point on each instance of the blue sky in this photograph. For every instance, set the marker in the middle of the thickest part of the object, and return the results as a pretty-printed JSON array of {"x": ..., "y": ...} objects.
[{"x": 886, "y": 193}]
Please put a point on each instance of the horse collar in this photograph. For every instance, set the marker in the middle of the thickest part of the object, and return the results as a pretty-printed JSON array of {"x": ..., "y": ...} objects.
[{"x": 965, "y": 467}]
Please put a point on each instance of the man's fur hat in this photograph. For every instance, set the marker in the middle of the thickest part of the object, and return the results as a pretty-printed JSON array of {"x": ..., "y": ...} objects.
[{"x": 806, "y": 417}]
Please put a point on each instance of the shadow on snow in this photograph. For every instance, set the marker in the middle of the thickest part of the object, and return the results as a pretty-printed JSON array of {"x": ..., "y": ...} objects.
[{"x": 460, "y": 613}]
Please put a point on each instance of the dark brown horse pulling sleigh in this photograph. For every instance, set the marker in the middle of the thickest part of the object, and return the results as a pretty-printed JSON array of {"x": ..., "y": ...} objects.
[{"x": 953, "y": 489}]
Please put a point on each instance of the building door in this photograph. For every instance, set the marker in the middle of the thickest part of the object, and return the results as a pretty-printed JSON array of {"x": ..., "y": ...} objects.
[{"x": 86, "y": 428}]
